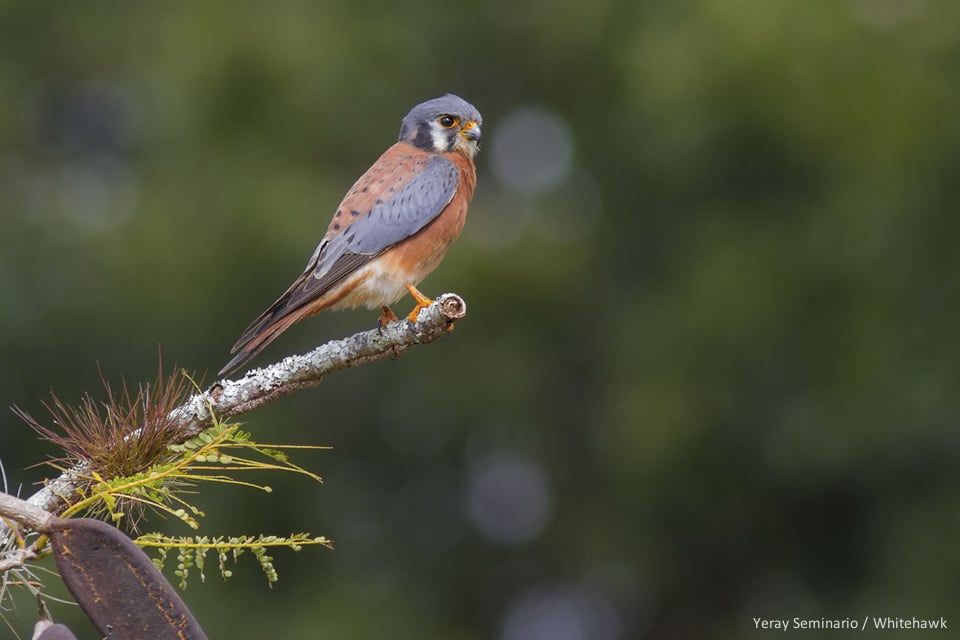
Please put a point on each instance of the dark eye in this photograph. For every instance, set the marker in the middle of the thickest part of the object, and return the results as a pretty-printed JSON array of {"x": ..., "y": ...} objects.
[{"x": 448, "y": 121}]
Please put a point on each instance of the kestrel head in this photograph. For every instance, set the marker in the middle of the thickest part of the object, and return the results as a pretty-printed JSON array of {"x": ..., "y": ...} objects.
[{"x": 447, "y": 123}]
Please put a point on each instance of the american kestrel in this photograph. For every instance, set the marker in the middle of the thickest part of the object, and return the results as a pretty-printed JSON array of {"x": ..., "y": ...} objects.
[{"x": 391, "y": 229}]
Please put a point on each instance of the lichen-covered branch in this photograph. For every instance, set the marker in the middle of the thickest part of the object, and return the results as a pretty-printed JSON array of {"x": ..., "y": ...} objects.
[
  {"x": 14, "y": 509},
  {"x": 228, "y": 398},
  {"x": 23, "y": 511}
]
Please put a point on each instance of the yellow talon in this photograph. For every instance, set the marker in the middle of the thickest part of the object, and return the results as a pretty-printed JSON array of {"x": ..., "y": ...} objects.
[{"x": 422, "y": 302}]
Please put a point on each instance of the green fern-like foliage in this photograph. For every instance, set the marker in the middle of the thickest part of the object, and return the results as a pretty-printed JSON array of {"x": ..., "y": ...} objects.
[
  {"x": 217, "y": 454},
  {"x": 134, "y": 460},
  {"x": 192, "y": 551}
]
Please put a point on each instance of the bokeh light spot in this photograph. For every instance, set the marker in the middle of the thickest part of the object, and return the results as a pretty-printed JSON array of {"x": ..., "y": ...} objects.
[
  {"x": 508, "y": 498},
  {"x": 532, "y": 151},
  {"x": 565, "y": 612}
]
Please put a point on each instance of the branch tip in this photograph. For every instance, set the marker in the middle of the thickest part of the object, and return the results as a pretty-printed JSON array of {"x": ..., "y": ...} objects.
[{"x": 452, "y": 306}]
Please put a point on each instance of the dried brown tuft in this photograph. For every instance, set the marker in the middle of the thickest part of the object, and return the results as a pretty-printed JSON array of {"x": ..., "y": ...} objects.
[{"x": 124, "y": 434}]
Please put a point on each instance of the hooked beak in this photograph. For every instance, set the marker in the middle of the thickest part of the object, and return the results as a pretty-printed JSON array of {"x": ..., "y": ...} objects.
[{"x": 471, "y": 131}]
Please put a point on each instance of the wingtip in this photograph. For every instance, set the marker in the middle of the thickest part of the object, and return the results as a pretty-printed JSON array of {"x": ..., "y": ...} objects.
[{"x": 236, "y": 362}]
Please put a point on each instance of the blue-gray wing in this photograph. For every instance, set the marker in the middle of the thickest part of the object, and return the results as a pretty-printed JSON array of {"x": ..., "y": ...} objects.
[{"x": 415, "y": 198}]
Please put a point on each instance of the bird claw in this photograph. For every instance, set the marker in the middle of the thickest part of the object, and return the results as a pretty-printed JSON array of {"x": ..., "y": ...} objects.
[
  {"x": 387, "y": 317},
  {"x": 422, "y": 302}
]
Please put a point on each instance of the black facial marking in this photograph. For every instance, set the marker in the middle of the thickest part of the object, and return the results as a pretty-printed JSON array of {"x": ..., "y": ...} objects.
[{"x": 423, "y": 139}]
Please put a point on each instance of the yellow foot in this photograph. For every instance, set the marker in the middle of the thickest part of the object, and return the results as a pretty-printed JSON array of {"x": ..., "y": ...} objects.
[
  {"x": 422, "y": 303},
  {"x": 387, "y": 317}
]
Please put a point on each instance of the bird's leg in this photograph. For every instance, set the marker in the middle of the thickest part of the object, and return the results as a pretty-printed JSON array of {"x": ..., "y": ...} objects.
[
  {"x": 422, "y": 303},
  {"x": 387, "y": 317}
]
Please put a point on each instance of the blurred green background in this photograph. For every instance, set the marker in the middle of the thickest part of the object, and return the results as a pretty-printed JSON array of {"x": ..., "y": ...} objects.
[{"x": 710, "y": 366}]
